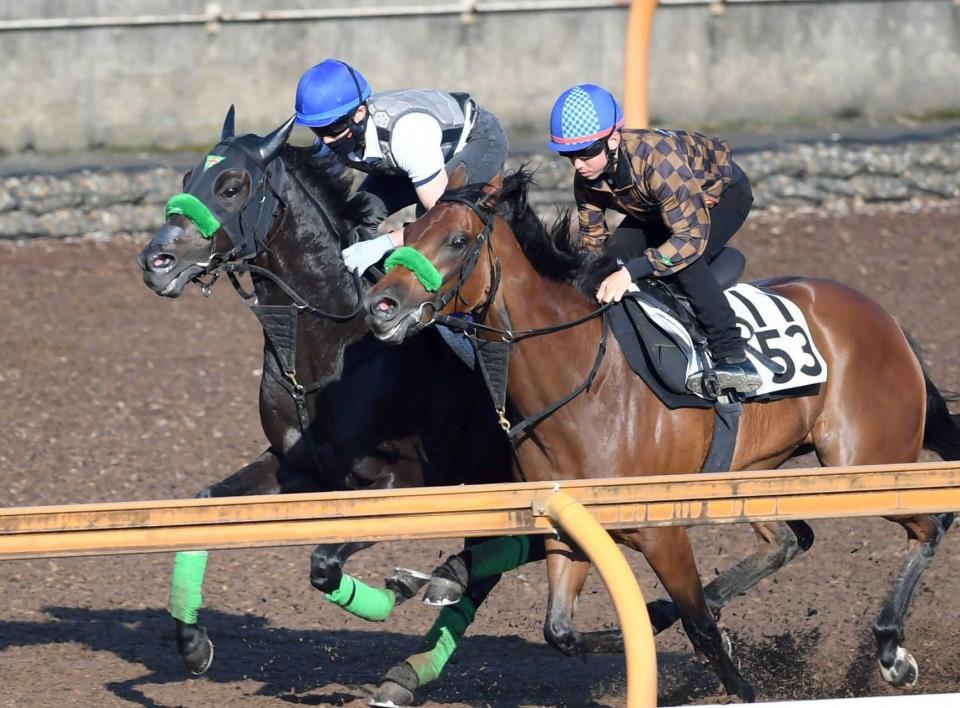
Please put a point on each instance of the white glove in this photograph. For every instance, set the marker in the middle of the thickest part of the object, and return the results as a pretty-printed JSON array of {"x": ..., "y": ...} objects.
[{"x": 364, "y": 254}]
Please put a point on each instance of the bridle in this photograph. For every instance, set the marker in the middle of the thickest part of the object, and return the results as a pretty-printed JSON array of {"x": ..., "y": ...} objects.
[
  {"x": 485, "y": 238},
  {"x": 252, "y": 242}
]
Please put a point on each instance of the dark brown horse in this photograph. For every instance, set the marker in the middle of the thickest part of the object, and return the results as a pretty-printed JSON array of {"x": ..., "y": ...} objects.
[
  {"x": 878, "y": 406},
  {"x": 339, "y": 409}
]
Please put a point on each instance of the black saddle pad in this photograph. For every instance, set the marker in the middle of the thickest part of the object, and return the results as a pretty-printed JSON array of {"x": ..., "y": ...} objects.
[{"x": 652, "y": 355}]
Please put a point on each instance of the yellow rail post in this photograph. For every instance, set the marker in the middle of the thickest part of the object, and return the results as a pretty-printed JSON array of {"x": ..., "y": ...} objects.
[
  {"x": 636, "y": 63},
  {"x": 638, "y": 644}
]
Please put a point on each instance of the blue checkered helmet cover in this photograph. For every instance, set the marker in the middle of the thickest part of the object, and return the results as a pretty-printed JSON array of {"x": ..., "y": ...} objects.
[
  {"x": 328, "y": 91},
  {"x": 581, "y": 116}
]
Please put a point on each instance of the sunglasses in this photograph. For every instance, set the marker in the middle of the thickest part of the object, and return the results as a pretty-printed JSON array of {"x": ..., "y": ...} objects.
[
  {"x": 588, "y": 152},
  {"x": 336, "y": 128}
]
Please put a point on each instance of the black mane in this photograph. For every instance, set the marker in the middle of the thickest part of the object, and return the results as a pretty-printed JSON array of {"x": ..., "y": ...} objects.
[
  {"x": 330, "y": 185},
  {"x": 549, "y": 251}
]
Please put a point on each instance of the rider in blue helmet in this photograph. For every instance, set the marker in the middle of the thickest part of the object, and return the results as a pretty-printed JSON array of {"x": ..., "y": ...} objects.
[
  {"x": 684, "y": 197},
  {"x": 407, "y": 141}
]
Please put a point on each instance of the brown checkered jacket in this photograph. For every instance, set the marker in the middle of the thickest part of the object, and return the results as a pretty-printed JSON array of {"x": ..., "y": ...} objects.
[{"x": 667, "y": 175}]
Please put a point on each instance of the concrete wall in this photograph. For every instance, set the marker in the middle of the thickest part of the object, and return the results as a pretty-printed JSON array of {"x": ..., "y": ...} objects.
[{"x": 754, "y": 63}]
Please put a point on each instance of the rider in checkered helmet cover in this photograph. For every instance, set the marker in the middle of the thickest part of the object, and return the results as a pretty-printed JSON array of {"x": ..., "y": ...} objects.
[{"x": 683, "y": 196}]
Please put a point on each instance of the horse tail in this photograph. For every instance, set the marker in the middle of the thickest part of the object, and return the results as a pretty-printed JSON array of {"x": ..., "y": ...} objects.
[{"x": 941, "y": 432}]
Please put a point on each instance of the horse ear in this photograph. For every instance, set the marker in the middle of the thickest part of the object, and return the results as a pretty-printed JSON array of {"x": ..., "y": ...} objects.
[
  {"x": 491, "y": 193},
  {"x": 228, "y": 129},
  {"x": 458, "y": 180},
  {"x": 270, "y": 145}
]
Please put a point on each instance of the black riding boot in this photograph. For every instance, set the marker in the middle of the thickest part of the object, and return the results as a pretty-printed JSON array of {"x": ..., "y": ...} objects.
[{"x": 731, "y": 367}]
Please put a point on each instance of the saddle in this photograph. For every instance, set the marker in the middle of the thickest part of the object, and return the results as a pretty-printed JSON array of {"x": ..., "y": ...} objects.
[
  {"x": 654, "y": 325},
  {"x": 665, "y": 345}
]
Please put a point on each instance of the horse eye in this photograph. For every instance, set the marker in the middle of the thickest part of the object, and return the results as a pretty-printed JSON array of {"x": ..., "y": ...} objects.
[
  {"x": 230, "y": 192},
  {"x": 458, "y": 242}
]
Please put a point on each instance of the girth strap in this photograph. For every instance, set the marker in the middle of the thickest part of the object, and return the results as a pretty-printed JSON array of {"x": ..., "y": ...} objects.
[{"x": 724, "y": 441}]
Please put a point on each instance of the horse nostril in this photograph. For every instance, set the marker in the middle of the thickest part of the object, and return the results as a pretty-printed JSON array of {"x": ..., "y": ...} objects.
[{"x": 385, "y": 308}]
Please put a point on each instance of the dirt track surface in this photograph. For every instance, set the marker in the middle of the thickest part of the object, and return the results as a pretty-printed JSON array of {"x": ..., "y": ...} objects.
[{"x": 111, "y": 393}]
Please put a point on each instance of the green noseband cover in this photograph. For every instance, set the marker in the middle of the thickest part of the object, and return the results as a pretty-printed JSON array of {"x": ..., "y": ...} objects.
[
  {"x": 195, "y": 210},
  {"x": 414, "y": 261}
]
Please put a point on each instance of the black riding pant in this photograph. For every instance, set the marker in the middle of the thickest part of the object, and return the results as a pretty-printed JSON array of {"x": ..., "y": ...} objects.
[{"x": 709, "y": 304}]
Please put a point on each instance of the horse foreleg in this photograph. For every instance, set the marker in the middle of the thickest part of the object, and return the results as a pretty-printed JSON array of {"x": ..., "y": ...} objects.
[
  {"x": 402, "y": 681},
  {"x": 353, "y": 595},
  {"x": 897, "y": 665},
  {"x": 186, "y": 588},
  {"x": 669, "y": 554},
  {"x": 567, "y": 569},
  {"x": 186, "y": 585},
  {"x": 261, "y": 476}
]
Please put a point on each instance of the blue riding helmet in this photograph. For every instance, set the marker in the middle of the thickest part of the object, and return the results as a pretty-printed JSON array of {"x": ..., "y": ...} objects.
[
  {"x": 328, "y": 91},
  {"x": 581, "y": 116}
]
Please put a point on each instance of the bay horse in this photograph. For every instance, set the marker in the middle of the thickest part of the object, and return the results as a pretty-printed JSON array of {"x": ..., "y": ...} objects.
[
  {"x": 340, "y": 409},
  {"x": 495, "y": 260}
]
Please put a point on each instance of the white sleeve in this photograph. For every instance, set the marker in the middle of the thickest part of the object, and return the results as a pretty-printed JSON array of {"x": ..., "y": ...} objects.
[{"x": 415, "y": 145}]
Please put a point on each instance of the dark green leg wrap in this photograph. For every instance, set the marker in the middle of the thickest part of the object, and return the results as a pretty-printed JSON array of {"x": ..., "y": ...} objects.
[
  {"x": 442, "y": 639},
  {"x": 361, "y": 600},
  {"x": 496, "y": 556}
]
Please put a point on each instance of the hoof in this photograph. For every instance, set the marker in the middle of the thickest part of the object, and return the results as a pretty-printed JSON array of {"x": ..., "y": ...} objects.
[
  {"x": 197, "y": 653},
  {"x": 904, "y": 671},
  {"x": 391, "y": 695},
  {"x": 746, "y": 693},
  {"x": 442, "y": 592},
  {"x": 397, "y": 688},
  {"x": 405, "y": 583}
]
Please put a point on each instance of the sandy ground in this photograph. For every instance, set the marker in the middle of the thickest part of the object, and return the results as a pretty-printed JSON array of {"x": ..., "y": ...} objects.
[{"x": 111, "y": 393}]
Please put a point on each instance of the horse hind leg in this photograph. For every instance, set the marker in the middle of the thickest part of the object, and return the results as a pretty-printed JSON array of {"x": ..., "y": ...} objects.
[
  {"x": 897, "y": 665},
  {"x": 784, "y": 542},
  {"x": 669, "y": 554},
  {"x": 899, "y": 441}
]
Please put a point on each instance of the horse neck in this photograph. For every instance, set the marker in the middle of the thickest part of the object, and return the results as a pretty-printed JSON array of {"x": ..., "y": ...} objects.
[
  {"x": 303, "y": 251},
  {"x": 528, "y": 300}
]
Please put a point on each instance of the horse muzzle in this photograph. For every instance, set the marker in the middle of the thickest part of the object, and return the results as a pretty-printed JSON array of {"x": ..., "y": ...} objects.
[
  {"x": 164, "y": 270},
  {"x": 390, "y": 322}
]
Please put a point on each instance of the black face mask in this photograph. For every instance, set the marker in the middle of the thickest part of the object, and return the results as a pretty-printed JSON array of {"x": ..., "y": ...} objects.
[{"x": 351, "y": 143}]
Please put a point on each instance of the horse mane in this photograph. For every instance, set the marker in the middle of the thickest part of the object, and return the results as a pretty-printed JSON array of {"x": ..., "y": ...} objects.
[
  {"x": 330, "y": 185},
  {"x": 549, "y": 251}
]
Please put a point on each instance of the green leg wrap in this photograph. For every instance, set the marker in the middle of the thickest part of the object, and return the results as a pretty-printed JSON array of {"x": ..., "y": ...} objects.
[
  {"x": 361, "y": 600},
  {"x": 443, "y": 638},
  {"x": 186, "y": 586},
  {"x": 496, "y": 556}
]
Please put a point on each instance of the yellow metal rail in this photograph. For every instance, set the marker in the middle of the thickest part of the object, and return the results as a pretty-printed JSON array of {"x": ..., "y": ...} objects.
[
  {"x": 442, "y": 512},
  {"x": 639, "y": 648}
]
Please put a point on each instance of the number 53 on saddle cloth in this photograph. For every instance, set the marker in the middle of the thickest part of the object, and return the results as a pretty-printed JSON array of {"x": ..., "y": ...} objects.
[{"x": 662, "y": 351}]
